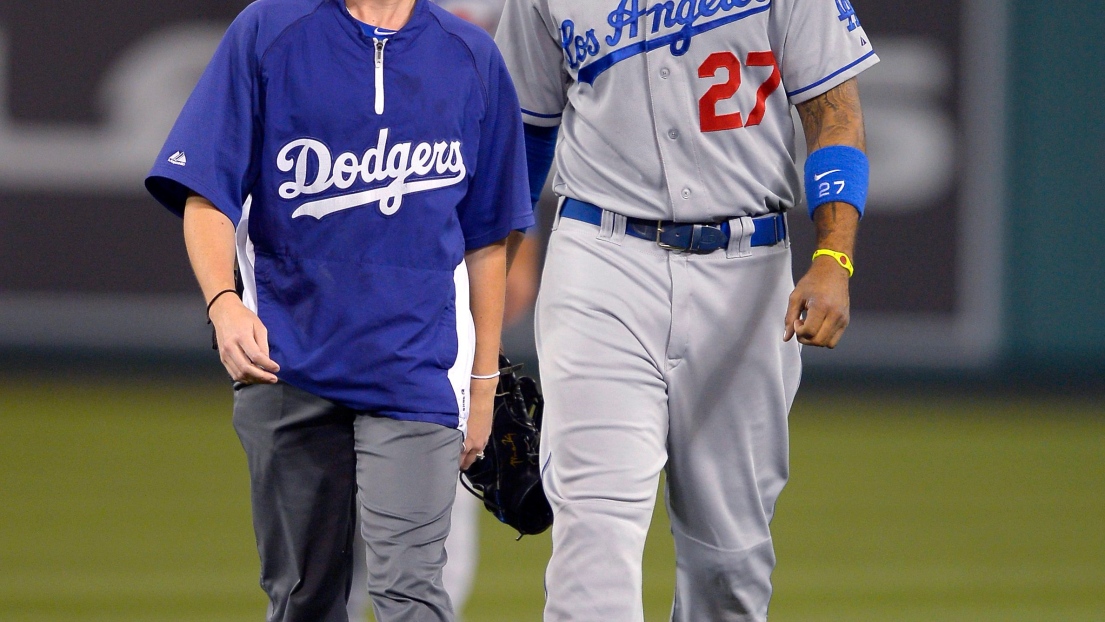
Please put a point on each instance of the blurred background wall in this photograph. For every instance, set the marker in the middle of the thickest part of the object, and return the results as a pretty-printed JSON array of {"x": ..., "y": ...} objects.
[
  {"x": 124, "y": 496},
  {"x": 982, "y": 252},
  {"x": 1056, "y": 186}
]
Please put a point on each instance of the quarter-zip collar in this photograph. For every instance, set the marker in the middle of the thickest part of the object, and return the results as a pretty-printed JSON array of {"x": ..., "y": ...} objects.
[
  {"x": 378, "y": 62},
  {"x": 420, "y": 18},
  {"x": 375, "y": 45}
]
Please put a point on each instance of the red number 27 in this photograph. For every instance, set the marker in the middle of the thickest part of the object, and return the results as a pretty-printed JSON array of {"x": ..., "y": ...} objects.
[{"x": 710, "y": 120}]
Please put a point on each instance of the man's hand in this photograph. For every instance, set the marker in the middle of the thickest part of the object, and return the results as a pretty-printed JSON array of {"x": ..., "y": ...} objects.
[
  {"x": 243, "y": 342},
  {"x": 822, "y": 296},
  {"x": 818, "y": 309},
  {"x": 479, "y": 420}
]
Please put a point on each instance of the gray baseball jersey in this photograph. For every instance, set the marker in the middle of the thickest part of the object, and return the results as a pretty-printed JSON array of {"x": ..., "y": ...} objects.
[
  {"x": 678, "y": 110},
  {"x": 657, "y": 360}
]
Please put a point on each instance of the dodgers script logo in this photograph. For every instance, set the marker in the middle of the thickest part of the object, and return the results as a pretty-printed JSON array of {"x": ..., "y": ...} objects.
[
  {"x": 411, "y": 168},
  {"x": 694, "y": 17}
]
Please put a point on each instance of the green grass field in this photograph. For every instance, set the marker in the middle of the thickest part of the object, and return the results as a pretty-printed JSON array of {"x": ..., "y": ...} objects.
[{"x": 129, "y": 503}]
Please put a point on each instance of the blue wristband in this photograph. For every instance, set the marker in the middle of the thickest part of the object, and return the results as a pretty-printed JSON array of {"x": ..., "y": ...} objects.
[{"x": 837, "y": 173}]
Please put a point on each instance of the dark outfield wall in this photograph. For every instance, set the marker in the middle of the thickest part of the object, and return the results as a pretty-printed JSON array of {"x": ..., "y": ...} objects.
[
  {"x": 60, "y": 235},
  {"x": 88, "y": 92},
  {"x": 1056, "y": 225}
]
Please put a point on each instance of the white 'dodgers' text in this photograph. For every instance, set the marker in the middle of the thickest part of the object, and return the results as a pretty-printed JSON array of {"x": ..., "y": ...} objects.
[{"x": 403, "y": 161}]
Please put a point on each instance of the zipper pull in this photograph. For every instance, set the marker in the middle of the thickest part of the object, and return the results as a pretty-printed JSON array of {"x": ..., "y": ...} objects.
[{"x": 379, "y": 74}]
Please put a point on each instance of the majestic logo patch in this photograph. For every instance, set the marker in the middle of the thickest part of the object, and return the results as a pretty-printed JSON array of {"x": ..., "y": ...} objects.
[{"x": 410, "y": 168}]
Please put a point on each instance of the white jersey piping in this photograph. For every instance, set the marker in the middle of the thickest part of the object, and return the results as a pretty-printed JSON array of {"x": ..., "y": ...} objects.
[
  {"x": 461, "y": 371},
  {"x": 246, "y": 258}
]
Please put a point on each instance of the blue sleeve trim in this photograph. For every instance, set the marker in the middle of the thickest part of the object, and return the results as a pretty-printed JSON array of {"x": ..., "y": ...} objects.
[
  {"x": 837, "y": 173},
  {"x": 171, "y": 189},
  {"x": 831, "y": 75},
  {"x": 489, "y": 238},
  {"x": 540, "y": 151},
  {"x": 542, "y": 116},
  {"x": 523, "y": 223}
]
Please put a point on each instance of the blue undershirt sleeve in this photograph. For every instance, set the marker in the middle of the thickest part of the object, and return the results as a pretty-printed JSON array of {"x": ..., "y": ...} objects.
[{"x": 540, "y": 148}]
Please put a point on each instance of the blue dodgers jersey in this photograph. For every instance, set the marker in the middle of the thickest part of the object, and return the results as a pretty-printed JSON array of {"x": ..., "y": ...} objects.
[{"x": 358, "y": 171}]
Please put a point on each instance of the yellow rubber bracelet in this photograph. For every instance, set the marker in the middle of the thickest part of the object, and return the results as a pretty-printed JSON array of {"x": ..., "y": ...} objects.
[{"x": 842, "y": 259}]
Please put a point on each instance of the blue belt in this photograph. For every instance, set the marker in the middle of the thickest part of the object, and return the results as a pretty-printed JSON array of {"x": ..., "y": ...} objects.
[{"x": 688, "y": 237}]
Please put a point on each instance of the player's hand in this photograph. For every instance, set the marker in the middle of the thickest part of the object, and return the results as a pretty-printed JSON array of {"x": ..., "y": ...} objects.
[
  {"x": 822, "y": 296},
  {"x": 479, "y": 420},
  {"x": 243, "y": 342}
]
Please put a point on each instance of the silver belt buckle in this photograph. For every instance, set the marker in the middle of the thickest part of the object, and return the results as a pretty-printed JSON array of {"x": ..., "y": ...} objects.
[
  {"x": 660, "y": 230},
  {"x": 690, "y": 247}
]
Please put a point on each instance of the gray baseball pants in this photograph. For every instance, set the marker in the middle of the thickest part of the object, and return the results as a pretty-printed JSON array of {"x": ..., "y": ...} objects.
[
  {"x": 657, "y": 360},
  {"x": 311, "y": 462}
]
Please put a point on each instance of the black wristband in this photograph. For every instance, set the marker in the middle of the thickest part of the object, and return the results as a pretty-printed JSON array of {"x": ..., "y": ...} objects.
[{"x": 217, "y": 296}]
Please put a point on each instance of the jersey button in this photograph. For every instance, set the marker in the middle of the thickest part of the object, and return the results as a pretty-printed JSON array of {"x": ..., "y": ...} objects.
[
  {"x": 686, "y": 193},
  {"x": 665, "y": 72},
  {"x": 673, "y": 134}
]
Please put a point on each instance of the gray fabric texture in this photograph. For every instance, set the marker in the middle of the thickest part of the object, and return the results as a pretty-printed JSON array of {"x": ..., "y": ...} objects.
[
  {"x": 311, "y": 462},
  {"x": 656, "y": 360}
]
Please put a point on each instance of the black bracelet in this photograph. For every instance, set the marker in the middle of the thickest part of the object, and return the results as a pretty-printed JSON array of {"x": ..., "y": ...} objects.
[{"x": 225, "y": 291}]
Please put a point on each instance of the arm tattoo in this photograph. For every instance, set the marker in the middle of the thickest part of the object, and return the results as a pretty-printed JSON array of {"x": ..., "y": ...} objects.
[
  {"x": 826, "y": 223},
  {"x": 834, "y": 118}
]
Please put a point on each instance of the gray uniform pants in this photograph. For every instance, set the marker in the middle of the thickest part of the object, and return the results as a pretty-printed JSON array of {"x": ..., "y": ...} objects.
[
  {"x": 656, "y": 360},
  {"x": 310, "y": 463}
]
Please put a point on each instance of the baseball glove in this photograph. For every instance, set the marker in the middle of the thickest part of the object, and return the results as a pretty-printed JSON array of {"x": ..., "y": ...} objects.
[{"x": 508, "y": 478}]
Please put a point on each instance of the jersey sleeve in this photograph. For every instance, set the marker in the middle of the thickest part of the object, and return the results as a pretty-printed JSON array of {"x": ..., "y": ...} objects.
[
  {"x": 530, "y": 46},
  {"x": 498, "y": 193},
  {"x": 212, "y": 149},
  {"x": 819, "y": 44}
]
